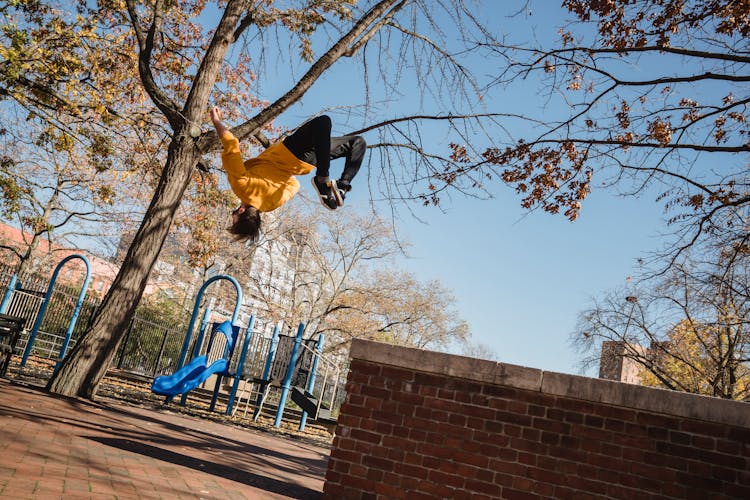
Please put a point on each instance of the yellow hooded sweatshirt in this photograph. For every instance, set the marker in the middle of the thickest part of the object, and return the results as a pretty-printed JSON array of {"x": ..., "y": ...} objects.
[{"x": 267, "y": 181}]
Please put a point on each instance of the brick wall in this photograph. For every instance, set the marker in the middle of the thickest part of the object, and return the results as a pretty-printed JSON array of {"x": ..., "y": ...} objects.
[{"x": 418, "y": 424}]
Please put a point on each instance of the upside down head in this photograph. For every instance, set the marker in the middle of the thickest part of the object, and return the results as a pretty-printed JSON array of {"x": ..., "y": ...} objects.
[{"x": 245, "y": 223}]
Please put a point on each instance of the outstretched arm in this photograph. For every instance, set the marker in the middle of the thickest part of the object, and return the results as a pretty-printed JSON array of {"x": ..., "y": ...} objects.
[{"x": 231, "y": 158}]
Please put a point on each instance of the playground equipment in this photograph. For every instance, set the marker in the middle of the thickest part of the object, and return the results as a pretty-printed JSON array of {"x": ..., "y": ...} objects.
[
  {"x": 295, "y": 370},
  {"x": 281, "y": 363},
  {"x": 196, "y": 309},
  {"x": 45, "y": 303},
  {"x": 188, "y": 377},
  {"x": 291, "y": 365},
  {"x": 198, "y": 370},
  {"x": 317, "y": 407},
  {"x": 286, "y": 362},
  {"x": 201, "y": 367}
]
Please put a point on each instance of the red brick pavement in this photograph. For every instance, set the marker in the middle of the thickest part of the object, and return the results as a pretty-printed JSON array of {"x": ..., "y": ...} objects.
[{"x": 53, "y": 447}]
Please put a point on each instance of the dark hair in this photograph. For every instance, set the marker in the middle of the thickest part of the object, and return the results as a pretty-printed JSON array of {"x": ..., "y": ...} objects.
[{"x": 247, "y": 225}]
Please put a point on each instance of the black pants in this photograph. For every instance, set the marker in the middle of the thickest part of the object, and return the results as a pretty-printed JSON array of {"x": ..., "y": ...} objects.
[{"x": 312, "y": 143}]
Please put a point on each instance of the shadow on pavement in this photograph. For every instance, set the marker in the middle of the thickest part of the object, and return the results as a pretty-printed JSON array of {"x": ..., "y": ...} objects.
[{"x": 238, "y": 475}]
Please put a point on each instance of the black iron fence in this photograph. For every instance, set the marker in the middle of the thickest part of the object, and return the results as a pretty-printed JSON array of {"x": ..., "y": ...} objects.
[{"x": 151, "y": 345}]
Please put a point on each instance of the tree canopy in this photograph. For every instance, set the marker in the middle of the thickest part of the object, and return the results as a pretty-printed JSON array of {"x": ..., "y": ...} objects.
[
  {"x": 61, "y": 83},
  {"x": 644, "y": 96}
]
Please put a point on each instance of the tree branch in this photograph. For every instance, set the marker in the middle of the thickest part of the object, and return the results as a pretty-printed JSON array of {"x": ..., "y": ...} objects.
[
  {"x": 145, "y": 50},
  {"x": 683, "y": 79},
  {"x": 669, "y": 50},
  {"x": 13, "y": 250},
  {"x": 251, "y": 126},
  {"x": 245, "y": 22},
  {"x": 393, "y": 121},
  {"x": 593, "y": 51},
  {"x": 195, "y": 104},
  {"x": 630, "y": 144},
  {"x": 371, "y": 32}
]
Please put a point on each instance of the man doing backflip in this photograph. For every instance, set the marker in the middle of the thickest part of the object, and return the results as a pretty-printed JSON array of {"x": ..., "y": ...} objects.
[{"x": 266, "y": 182}]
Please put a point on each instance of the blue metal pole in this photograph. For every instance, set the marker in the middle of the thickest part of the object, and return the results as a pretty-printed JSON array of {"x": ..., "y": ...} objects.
[
  {"x": 240, "y": 364},
  {"x": 271, "y": 351},
  {"x": 45, "y": 303},
  {"x": 286, "y": 385},
  {"x": 189, "y": 333},
  {"x": 269, "y": 364},
  {"x": 198, "y": 344},
  {"x": 76, "y": 312},
  {"x": 238, "y": 303},
  {"x": 202, "y": 331},
  {"x": 311, "y": 378},
  {"x": 8, "y": 294},
  {"x": 191, "y": 325},
  {"x": 228, "y": 351},
  {"x": 186, "y": 342}
]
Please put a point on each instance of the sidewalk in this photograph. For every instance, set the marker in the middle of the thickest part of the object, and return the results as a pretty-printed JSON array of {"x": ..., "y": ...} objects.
[{"x": 54, "y": 447}]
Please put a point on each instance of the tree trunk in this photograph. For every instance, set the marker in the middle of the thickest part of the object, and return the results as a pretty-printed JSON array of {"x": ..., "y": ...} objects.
[
  {"x": 27, "y": 259},
  {"x": 89, "y": 360}
]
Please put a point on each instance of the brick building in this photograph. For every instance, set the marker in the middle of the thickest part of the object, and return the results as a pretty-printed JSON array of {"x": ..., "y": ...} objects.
[{"x": 48, "y": 255}]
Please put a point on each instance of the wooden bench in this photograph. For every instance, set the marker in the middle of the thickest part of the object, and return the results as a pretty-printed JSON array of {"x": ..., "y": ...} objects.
[{"x": 10, "y": 332}]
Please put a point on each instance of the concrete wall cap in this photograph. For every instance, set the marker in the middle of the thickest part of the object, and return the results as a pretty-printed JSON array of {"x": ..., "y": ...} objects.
[
  {"x": 556, "y": 384},
  {"x": 439, "y": 363}
]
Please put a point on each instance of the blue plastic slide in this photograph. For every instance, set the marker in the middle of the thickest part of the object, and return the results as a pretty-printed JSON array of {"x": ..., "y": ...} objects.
[{"x": 188, "y": 377}]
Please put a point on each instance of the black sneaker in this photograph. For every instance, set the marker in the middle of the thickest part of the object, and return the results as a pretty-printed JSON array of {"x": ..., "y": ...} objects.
[
  {"x": 323, "y": 186},
  {"x": 343, "y": 187}
]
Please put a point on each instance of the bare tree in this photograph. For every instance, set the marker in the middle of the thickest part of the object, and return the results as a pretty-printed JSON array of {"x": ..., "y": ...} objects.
[
  {"x": 337, "y": 275},
  {"x": 479, "y": 350},
  {"x": 58, "y": 195},
  {"x": 321, "y": 257},
  {"x": 393, "y": 306},
  {"x": 686, "y": 330}
]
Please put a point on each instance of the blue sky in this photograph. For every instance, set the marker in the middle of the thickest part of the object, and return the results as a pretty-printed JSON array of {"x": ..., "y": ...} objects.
[{"x": 520, "y": 279}]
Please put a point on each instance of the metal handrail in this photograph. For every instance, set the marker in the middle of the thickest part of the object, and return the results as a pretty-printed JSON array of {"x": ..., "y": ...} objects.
[{"x": 329, "y": 363}]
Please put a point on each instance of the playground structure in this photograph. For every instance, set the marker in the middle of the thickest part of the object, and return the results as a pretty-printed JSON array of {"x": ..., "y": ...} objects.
[
  {"x": 284, "y": 362},
  {"x": 198, "y": 370},
  {"x": 245, "y": 366},
  {"x": 20, "y": 303}
]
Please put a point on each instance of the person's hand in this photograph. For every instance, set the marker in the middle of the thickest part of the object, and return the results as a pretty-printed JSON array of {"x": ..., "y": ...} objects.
[
  {"x": 215, "y": 115},
  {"x": 216, "y": 119}
]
